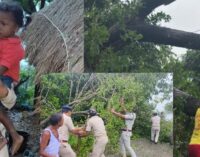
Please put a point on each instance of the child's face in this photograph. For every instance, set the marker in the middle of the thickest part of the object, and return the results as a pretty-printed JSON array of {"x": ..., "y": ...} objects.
[{"x": 8, "y": 27}]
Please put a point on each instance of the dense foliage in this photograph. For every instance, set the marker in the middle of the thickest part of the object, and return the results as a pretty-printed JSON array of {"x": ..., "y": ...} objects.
[{"x": 26, "y": 88}]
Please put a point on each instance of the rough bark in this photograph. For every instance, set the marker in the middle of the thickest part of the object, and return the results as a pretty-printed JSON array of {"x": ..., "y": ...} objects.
[{"x": 149, "y": 5}]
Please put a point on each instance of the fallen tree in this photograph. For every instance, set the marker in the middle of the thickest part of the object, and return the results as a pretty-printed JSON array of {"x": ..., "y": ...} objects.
[
  {"x": 192, "y": 103},
  {"x": 153, "y": 33}
]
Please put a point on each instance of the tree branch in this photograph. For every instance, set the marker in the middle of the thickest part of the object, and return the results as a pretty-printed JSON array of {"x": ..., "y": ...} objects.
[
  {"x": 83, "y": 99},
  {"x": 178, "y": 92},
  {"x": 155, "y": 34},
  {"x": 20, "y": 83},
  {"x": 167, "y": 36},
  {"x": 149, "y": 5},
  {"x": 152, "y": 33}
]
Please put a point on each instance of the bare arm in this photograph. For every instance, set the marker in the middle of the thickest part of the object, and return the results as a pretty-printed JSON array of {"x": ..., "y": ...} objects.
[
  {"x": 85, "y": 130},
  {"x": 76, "y": 131},
  {"x": 83, "y": 133},
  {"x": 117, "y": 114},
  {"x": 44, "y": 143}
]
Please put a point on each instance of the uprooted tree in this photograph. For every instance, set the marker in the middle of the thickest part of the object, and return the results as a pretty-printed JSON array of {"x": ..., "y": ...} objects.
[
  {"x": 153, "y": 33},
  {"x": 103, "y": 91}
]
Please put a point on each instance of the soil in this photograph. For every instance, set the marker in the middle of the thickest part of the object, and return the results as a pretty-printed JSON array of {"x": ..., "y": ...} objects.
[{"x": 145, "y": 148}]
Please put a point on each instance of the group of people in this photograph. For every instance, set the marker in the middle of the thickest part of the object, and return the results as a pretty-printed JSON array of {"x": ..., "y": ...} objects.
[
  {"x": 54, "y": 139},
  {"x": 11, "y": 53}
]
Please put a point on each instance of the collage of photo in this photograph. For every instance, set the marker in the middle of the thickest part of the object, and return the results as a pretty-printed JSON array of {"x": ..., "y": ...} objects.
[{"x": 99, "y": 78}]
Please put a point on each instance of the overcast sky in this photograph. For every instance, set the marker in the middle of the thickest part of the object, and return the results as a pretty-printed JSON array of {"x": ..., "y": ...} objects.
[
  {"x": 161, "y": 106},
  {"x": 185, "y": 16}
]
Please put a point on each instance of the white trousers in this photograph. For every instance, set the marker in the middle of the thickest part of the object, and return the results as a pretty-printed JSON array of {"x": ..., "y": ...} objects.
[
  {"x": 66, "y": 150},
  {"x": 155, "y": 134},
  {"x": 125, "y": 144}
]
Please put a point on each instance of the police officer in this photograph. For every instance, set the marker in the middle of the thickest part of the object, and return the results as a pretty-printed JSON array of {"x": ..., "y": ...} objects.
[
  {"x": 67, "y": 127},
  {"x": 155, "y": 127},
  {"x": 96, "y": 125},
  {"x": 126, "y": 132}
]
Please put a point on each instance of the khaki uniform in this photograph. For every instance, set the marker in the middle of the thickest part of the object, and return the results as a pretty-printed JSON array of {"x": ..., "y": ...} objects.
[
  {"x": 125, "y": 138},
  {"x": 64, "y": 131},
  {"x": 155, "y": 128},
  {"x": 96, "y": 124}
]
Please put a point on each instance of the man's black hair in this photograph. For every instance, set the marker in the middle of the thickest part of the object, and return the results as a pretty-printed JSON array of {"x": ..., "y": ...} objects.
[
  {"x": 155, "y": 113},
  {"x": 15, "y": 9},
  {"x": 55, "y": 119}
]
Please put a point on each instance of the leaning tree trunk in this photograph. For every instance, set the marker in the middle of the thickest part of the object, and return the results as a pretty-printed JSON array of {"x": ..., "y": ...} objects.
[
  {"x": 54, "y": 38},
  {"x": 191, "y": 105},
  {"x": 152, "y": 33}
]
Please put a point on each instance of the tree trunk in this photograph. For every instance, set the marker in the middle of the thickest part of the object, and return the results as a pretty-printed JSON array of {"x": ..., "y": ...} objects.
[
  {"x": 152, "y": 33},
  {"x": 191, "y": 105}
]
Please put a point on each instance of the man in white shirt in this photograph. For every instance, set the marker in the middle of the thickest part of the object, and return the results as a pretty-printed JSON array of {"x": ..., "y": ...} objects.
[
  {"x": 65, "y": 130},
  {"x": 125, "y": 139},
  {"x": 96, "y": 125},
  {"x": 155, "y": 127}
]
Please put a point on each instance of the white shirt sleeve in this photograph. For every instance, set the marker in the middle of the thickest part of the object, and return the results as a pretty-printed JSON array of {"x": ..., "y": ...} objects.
[
  {"x": 88, "y": 126},
  {"x": 70, "y": 124},
  {"x": 130, "y": 116}
]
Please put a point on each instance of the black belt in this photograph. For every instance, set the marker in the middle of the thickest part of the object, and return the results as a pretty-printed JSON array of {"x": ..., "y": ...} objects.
[
  {"x": 126, "y": 130},
  {"x": 64, "y": 141}
]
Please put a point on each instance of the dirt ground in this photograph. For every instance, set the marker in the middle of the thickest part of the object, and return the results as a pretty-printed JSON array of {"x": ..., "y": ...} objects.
[{"x": 144, "y": 148}]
